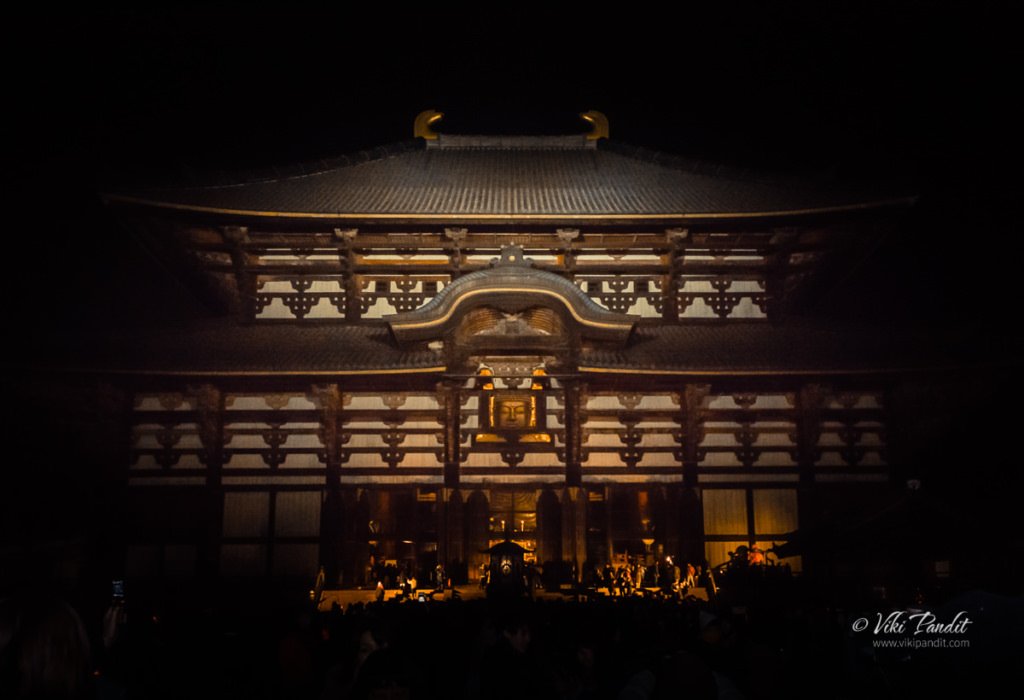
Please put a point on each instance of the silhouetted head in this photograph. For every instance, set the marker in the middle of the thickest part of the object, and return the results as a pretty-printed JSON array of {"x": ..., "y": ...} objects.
[{"x": 44, "y": 650}]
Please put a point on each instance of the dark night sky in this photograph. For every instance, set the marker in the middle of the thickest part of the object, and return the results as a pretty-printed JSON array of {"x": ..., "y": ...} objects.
[
  {"x": 921, "y": 91},
  {"x": 908, "y": 91}
]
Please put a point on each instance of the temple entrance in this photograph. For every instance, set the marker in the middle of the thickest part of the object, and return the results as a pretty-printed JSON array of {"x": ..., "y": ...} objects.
[
  {"x": 513, "y": 516},
  {"x": 400, "y": 530}
]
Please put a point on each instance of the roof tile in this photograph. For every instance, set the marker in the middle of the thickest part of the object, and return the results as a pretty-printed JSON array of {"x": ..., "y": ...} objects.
[{"x": 504, "y": 179}]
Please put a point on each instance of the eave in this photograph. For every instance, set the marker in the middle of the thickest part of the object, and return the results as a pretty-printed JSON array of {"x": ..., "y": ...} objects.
[{"x": 512, "y": 219}]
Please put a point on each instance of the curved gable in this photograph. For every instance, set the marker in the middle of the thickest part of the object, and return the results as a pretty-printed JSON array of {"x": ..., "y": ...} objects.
[{"x": 511, "y": 285}]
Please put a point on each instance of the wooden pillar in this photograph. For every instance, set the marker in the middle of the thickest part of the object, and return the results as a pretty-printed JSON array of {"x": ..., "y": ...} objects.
[
  {"x": 574, "y": 526},
  {"x": 441, "y": 526},
  {"x": 777, "y": 270},
  {"x": 329, "y": 400},
  {"x": 574, "y": 497},
  {"x": 209, "y": 406},
  {"x": 660, "y": 514},
  {"x": 609, "y": 541},
  {"x": 810, "y": 401},
  {"x": 549, "y": 527},
  {"x": 677, "y": 238},
  {"x": 775, "y": 286},
  {"x": 692, "y": 402},
  {"x": 457, "y": 235},
  {"x": 332, "y": 527},
  {"x": 451, "y": 530},
  {"x": 347, "y": 257},
  {"x": 573, "y": 433},
  {"x": 451, "y": 405},
  {"x": 691, "y": 540},
  {"x": 691, "y": 515},
  {"x": 245, "y": 278}
]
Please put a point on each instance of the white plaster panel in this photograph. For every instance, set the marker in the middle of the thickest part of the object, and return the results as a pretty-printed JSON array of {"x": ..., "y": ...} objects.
[
  {"x": 775, "y": 459},
  {"x": 275, "y": 310},
  {"x": 245, "y": 461},
  {"x": 246, "y": 514},
  {"x": 746, "y": 308},
  {"x": 365, "y": 459},
  {"x": 720, "y": 459},
  {"x": 603, "y": 459},
  {"x": 297, "y": 514},
  {"x": 324, "y": 309},
  {"x": 658, "y": 459},
  {"x": 421, "y": 460},
  {"x": 301, "y": 460}
]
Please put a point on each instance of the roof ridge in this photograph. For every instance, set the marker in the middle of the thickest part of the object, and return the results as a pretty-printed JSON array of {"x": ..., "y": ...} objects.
[{"x": 512, "y": 142}]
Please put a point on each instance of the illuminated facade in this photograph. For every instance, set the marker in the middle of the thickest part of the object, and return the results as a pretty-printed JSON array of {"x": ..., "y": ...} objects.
[{"x": 591, "y": 348}]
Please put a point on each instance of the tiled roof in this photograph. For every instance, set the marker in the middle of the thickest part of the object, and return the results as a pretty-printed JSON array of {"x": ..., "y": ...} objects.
[
  {"x": 737, "y": 347},
  {"x": 229, "y": 348},
  {"x": 763, "y": 347},
  {"x": 530, "y": 177}
]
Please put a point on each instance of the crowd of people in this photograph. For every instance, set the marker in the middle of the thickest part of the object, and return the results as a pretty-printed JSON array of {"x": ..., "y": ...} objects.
[
  {"x": 571, "y": 647},
  {"x": 396, "y": 649},
  {"x": 630, "y": 576},
  {"x": 665, "y": 576}
]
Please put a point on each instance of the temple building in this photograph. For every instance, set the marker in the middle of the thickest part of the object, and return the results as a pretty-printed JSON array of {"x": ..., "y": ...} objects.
[{"x": 595, "y": 350}]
